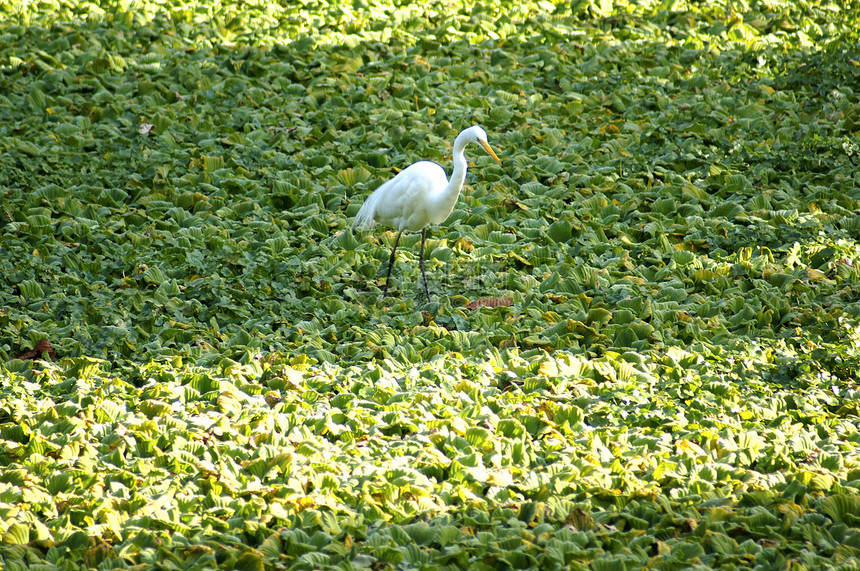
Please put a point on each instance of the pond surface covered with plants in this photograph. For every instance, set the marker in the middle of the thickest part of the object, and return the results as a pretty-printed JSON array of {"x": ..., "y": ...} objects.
[{"x": 641, "y": 348}]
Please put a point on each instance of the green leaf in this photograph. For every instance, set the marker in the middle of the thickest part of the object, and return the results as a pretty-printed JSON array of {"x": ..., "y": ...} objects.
[{"x": 17, "y": 534}]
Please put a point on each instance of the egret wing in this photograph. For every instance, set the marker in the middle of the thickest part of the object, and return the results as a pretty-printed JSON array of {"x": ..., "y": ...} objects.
[{"x": 402, "y": 201}]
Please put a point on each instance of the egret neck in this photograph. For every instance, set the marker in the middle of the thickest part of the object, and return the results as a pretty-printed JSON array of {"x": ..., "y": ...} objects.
[{"x": 444, "y": 202}]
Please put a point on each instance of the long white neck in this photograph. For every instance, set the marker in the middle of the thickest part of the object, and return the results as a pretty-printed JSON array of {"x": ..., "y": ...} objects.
[
  {"x": 458, "y": 175},
  {"x": 448, "y": 198}
]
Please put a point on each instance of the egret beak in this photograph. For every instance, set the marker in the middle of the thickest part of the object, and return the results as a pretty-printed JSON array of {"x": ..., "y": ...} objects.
[{"x": 489, "y": 149}]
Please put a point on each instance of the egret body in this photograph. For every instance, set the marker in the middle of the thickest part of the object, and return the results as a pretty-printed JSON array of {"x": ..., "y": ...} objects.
[{"x": 420, "y": 195}]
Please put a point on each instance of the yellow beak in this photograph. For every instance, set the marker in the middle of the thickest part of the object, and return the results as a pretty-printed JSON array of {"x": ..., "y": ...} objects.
[{"x": 489, "y": 149}]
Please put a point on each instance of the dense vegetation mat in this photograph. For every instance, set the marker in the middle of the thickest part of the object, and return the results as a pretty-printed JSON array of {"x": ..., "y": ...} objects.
[{"x": 642, "y": 347}]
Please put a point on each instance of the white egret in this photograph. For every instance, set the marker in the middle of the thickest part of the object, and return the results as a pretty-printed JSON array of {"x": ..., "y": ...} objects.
[{"x": 420, "y": 195}]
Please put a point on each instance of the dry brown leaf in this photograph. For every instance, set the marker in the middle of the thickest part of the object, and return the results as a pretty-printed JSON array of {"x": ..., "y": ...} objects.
[
  {"x": 42, "y": 346},
  {"x": 491, "y": 302}
]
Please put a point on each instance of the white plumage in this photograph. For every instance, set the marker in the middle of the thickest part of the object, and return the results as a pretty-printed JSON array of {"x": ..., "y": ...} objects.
[{"x": 420, "y": 195}]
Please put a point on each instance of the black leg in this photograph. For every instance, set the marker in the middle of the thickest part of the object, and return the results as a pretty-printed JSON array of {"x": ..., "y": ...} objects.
[
  {"x": 421, "y": 263},
  {"x": 391, "y": 263}
]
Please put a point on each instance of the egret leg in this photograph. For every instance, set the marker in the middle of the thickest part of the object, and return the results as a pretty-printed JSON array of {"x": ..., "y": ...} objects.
[
  {"x": 421, "y": 263},
  {"x": 391, "y": 263}
]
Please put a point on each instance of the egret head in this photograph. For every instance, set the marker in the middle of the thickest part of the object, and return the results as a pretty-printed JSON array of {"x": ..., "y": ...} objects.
[{"x": 478, "y": 135}]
